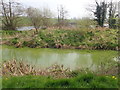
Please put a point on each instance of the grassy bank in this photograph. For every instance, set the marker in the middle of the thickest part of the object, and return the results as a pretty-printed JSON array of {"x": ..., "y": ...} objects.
[
  {"x": 77, "y": 39},
  {"x": 80, "y": 81}
]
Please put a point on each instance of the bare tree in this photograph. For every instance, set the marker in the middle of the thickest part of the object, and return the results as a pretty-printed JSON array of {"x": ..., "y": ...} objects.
[
  {"x": 62, "y": 13},
  {"x": 112, "y": 15},
  {"x": 119, "y": 15},
  {"x": 35, "y": 16},
  {"x": 11, "y": 12},
  {"x": 46, "y": 17}
]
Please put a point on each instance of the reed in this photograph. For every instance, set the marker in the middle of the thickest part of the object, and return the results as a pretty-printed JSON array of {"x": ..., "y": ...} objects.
[
  {"x": 15, "y": 68},
  {"x": 20, "y": 68}
]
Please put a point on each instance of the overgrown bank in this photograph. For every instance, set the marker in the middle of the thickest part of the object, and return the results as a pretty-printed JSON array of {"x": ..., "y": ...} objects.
[
  {"x": 78, "y": 39},
  {"x": 21, "y": 75}
]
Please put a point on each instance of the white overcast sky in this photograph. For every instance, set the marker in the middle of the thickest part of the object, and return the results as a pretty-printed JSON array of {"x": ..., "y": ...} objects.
[{"x": 75, "y": 8}]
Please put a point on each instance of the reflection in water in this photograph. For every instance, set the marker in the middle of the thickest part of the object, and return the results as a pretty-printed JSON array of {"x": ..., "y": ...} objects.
[
  {"x": 117, "y": 59},
  {"x": 25, "y": 28},
  {"x": 69, "y": 58}
]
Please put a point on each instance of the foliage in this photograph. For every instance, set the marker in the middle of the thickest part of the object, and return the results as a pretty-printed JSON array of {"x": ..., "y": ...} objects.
[
  {"x": 100, "y": 12},
  {"x": 80, "y": 39},
  {"x": 14, "y": 41}
]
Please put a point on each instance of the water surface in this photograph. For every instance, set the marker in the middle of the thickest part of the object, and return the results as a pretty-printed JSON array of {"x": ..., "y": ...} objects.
[
  {"x": 25, "y": 28},
  {"x": 45, "y": 57}
]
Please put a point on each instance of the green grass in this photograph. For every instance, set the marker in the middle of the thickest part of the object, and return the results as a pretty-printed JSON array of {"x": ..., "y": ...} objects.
[
  {"x": 0, "y": 82},
  {"x": 25, "y": 21},
  {"x": 80, "y": 81}
]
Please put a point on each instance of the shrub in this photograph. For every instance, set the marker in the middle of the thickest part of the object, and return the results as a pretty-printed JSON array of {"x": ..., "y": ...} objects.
[{"x": 14, "y": 41}]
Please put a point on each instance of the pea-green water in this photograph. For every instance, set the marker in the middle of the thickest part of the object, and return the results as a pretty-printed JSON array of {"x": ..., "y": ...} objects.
[{"x": 73, "y": 59}]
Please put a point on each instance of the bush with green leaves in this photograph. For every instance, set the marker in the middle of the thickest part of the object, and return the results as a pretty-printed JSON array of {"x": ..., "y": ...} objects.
[{"x": 14, "y": 41}]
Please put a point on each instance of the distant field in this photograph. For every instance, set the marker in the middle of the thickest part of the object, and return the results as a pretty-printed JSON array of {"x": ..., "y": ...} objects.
[{"x": 25, "y": 21}]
